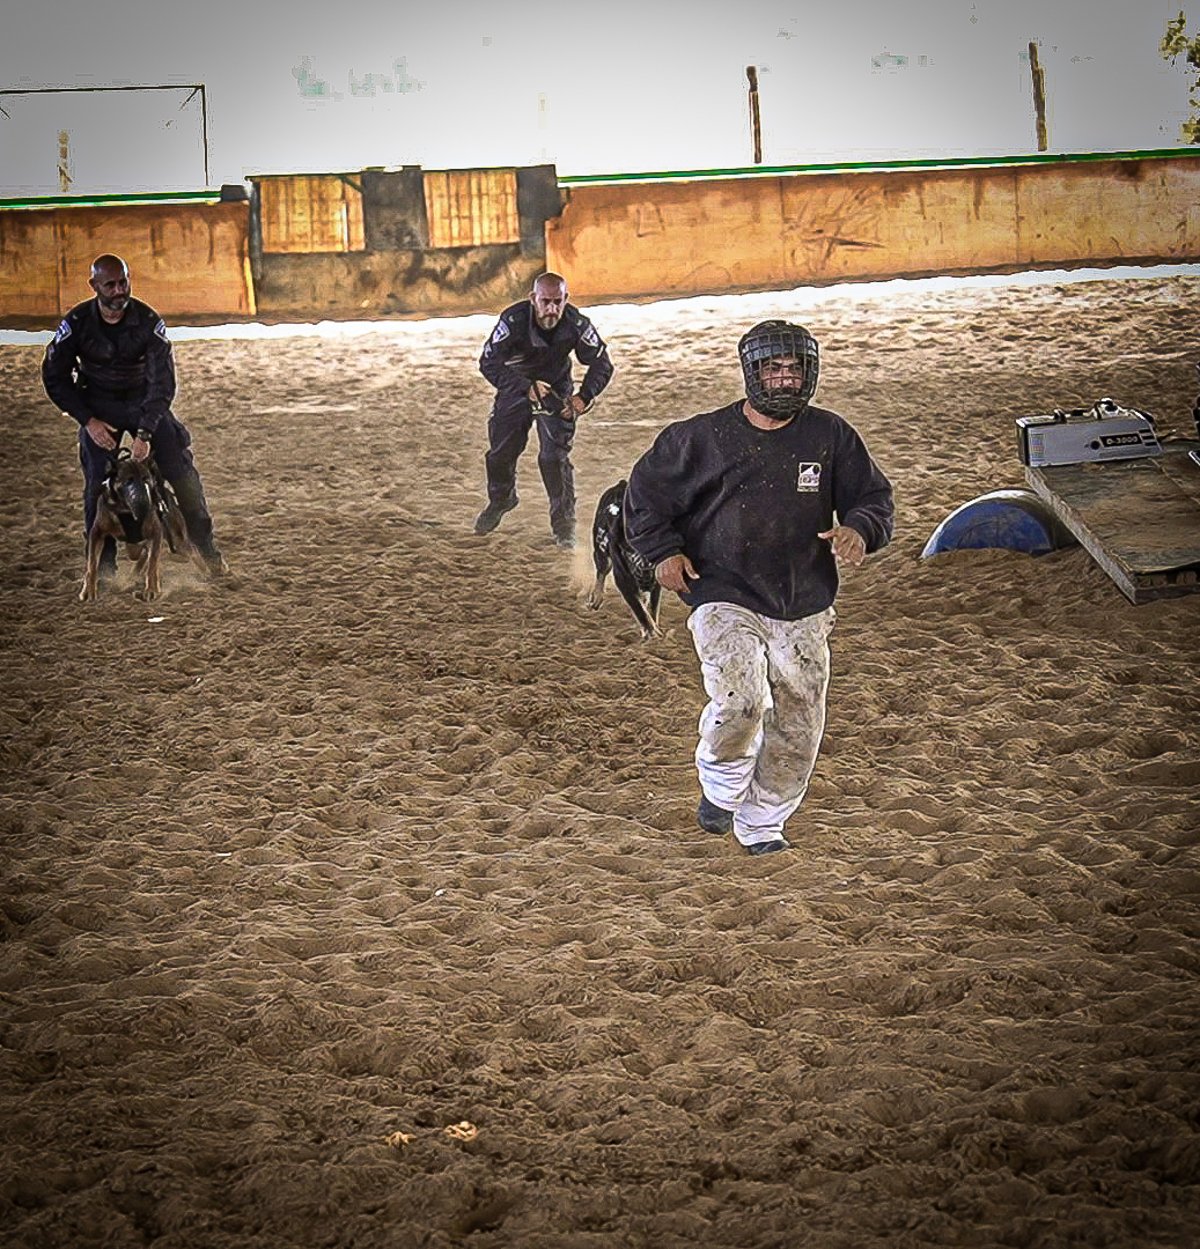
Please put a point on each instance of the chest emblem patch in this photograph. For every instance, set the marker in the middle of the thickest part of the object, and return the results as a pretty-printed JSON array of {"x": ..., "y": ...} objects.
[{"x": 808, "y": 479}]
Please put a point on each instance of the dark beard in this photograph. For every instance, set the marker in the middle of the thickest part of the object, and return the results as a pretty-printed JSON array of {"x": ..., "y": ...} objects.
[{"x": 782, "y": 401}]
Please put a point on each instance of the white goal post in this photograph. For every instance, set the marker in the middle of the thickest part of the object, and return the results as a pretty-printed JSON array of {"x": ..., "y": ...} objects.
[{"x": 103, "y": 140}]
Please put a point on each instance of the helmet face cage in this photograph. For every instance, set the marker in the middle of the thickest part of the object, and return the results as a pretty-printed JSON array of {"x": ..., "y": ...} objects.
[{"x": 779, "y": 340}]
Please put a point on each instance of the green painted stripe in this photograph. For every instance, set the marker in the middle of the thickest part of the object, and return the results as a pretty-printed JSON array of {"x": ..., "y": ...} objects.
[
  {"x": 99, "y": 201},
  {"x": 958, "y": 162},
  {"x": 664, "y": 175}
]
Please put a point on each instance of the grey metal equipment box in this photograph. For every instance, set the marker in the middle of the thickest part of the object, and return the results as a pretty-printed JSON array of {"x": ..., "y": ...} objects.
[{"x": 1105, "y": 431}]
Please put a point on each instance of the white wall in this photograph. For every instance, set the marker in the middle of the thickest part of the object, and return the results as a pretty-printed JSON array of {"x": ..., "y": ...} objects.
[{"x": 608, "y": 87}]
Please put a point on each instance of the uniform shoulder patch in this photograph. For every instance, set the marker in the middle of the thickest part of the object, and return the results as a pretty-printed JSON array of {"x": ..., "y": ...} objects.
[
  {"x": 501, "y": 332},
  {"x": 64, "y": 331},
  {"x": 589, "y": 335},
  {"x": 161, "y": 330}
]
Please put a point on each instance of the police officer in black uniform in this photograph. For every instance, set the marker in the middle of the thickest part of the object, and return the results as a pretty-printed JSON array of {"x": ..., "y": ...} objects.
[
  {"x": 528, "y": 360},
  {"x": 110, "y": 367}
]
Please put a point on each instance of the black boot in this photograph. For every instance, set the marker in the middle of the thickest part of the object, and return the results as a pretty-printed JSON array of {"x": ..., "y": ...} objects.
[
  {"x": 189, "y": 494},
  {"x": 489, "y": 518},
  {"x": 210, "y": 553}
]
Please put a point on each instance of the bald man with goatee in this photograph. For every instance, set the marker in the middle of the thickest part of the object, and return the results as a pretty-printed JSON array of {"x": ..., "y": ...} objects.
[
  {"x": 111, "y": 369},
  {"x": 527, "y": 358}
]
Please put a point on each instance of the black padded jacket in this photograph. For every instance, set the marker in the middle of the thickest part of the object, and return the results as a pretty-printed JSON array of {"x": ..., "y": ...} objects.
[
  {"x": 126, "y": 363},
  {"x": 519, "y": 351},
  {"x": 746, "y": 505}
]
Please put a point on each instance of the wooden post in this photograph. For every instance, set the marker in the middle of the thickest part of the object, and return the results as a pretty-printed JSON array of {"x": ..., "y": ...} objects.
[
  {"x": 755, "y": 126},
  {"x": 64, "y": 161},
  {"x": 1039, "y": 96}
]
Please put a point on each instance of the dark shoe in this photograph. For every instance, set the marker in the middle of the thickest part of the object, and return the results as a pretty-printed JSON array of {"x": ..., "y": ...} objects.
[
  {"x": 713, "y": 819},
  {"x": 214, "y": 561},
  {"x": 769, "y": 847},
  {"x": 489, "y": 518}
]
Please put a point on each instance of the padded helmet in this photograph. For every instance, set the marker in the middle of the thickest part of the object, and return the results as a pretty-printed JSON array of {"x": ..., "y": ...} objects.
[{"x": 779, "y": 340}]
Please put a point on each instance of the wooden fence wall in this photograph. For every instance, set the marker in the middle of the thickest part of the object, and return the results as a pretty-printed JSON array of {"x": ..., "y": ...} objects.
[
  {"x": 410, "y": 242},
  {"x": 188, "y": 260},
  {"x": 638, "y": 240}
]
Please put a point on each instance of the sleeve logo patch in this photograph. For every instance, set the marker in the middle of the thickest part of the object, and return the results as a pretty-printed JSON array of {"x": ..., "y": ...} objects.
[
  {"x": 808, "y": 479},
  {"x": 500, "y": 333},
  {"x": 161, "y": 330},
  {"x": 589, "y": 336},
  {"x": 64, "y": 332}
]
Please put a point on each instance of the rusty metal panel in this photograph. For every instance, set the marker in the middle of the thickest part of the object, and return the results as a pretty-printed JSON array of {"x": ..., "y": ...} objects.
[
  {"x": 634, "y": 240},
  {"x": 678, "y": 238},
  {"x": 29, "y": 269},
  {"x": 1113, "y": 210},
  {"x": 305, "y": 213},
  {"x": 472, "y": 207},
  {"x": 394, "y": 209},
  {"x": 449, "y": 281},
  {"x": 186, "y": 260},
  {"x": 861, "y": 225}
]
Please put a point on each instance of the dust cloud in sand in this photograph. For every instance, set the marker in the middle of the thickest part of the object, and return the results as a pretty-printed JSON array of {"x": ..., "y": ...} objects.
[{"x": 388, "y": 834}]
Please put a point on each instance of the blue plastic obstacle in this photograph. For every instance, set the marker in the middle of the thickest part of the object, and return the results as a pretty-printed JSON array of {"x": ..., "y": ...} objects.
[{"x": 1016, "y": 520}]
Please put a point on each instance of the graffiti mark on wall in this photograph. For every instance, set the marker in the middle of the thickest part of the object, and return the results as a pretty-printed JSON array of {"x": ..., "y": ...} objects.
[
  {"x": 822, "y": 223},
  {"x": 649, "y": 220}
]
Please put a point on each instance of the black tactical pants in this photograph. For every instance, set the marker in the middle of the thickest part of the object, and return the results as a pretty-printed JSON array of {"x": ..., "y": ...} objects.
[{"x": 508, "y": 433}]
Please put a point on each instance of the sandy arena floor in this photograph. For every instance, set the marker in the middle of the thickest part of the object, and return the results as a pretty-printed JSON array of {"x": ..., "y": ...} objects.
[{"x": 388, "y": 833}]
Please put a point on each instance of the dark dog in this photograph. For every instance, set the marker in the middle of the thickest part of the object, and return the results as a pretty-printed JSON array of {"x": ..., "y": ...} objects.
[
  {"x": 138, "y": 507},
  {"x": 611, "y": 552}
]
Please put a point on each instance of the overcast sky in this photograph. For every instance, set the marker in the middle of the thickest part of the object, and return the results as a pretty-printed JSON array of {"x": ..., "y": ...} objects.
[{"x": 591, "y": 88}]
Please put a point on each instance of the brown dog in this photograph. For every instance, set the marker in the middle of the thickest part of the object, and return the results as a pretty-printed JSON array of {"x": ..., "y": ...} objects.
[{"x": 138, "y": 507}]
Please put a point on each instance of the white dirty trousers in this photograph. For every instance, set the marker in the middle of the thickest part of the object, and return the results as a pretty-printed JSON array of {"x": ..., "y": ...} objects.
[{"x": 766, "y": 682}]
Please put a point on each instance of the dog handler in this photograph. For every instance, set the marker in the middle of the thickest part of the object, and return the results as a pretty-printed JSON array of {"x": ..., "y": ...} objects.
[
  {"x": 110, "y": 367},
  {"x": 528, "y": 360},
  {"x": 735, "y": 509}
]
